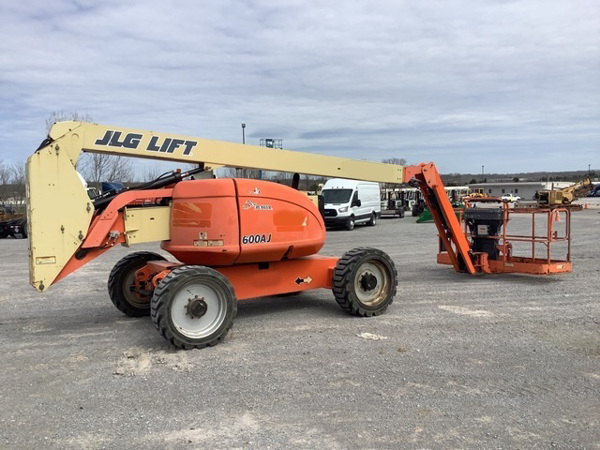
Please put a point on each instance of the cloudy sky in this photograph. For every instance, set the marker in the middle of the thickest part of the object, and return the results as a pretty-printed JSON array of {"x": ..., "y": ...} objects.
[{"x": 512, "y": 85}]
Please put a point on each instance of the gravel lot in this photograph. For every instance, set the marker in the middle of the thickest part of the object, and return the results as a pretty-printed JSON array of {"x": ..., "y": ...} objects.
[{"x": 492, "y": 362}]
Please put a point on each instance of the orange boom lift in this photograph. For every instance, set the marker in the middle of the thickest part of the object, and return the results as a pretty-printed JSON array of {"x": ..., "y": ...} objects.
[{"x": 232, "y": 239}]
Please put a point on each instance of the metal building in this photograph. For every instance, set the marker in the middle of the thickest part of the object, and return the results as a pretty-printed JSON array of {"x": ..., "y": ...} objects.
[{"x": 526, "y": 190}]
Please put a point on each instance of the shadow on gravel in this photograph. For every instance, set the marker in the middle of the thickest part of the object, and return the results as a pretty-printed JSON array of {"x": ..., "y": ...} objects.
[
  {"x": 449, "y": 276},
  {"x": 283, "y": 304},
  {"x": 80, "y": 322},
  {"x": 535, "y": 280}
]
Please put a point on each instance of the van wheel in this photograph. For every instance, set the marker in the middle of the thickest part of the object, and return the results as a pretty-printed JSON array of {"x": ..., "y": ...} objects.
[
  {"x": 373, "y": 220},
  {"x": 350, "y": 224}
]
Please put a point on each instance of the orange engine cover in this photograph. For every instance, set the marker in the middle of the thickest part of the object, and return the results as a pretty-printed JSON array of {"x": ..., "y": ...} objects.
[{"x": 234, "y": 221}]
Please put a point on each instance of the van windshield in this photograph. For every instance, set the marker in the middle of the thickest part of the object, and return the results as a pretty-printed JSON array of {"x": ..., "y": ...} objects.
[{"x": 336, "y": 195}]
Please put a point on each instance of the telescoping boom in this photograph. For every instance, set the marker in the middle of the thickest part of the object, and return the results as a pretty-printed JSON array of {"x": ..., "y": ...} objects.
[{"x": 56, "y": 238}]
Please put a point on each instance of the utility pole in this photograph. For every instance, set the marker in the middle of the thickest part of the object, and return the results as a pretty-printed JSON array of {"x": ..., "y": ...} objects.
[{"x": 239, "y": 171}]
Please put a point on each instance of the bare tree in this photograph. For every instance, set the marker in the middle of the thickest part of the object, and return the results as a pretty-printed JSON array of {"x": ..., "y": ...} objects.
[
  {"x": 227, "y": 172},
  {"x": 4, "y": 174},
  {"x": 96, "y": 167},
  {"x": 4, "y": 181},
  {"x": 61, "y": 116},
  {"x": 399, "y": 161},
  {"x": 151, "y": 173},
  {"x": 249, "y": 173},
  {"x": 17, "y": 178}
]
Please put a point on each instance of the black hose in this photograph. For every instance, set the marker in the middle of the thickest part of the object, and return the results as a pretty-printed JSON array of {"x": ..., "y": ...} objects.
[{"x": 165, "y": 179}]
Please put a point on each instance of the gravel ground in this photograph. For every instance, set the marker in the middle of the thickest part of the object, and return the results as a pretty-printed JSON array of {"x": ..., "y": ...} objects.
[{"x": 482, "y": 362}]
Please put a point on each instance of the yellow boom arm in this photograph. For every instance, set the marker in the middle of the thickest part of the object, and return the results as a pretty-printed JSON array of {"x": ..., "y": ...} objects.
[{"x": 75, "y": 137}]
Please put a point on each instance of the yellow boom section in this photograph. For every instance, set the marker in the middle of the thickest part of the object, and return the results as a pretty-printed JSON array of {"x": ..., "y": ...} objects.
[
  {"x": 171, "y": 147},
  {"x": 60, "y": 212}
]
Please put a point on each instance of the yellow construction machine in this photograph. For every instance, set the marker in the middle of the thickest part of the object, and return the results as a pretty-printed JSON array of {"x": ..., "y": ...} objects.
[{"x": 564, "y": 196}]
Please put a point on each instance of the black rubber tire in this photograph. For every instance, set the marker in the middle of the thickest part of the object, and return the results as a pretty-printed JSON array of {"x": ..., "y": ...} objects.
[
  {"x": 119, "y": 284},
  {"x": 373, "y": 220},
  {"x": 208, "y": 287},
  {"x": 353, "y": 279},
  {"x": 350, "y": 224}
]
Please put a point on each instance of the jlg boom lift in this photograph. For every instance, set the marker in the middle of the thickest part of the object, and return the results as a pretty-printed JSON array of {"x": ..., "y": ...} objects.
[{"x": 233, "y": 239}]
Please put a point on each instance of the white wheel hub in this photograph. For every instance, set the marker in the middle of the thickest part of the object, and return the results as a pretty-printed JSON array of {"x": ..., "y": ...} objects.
[
  {"x": 371, "y": 283},
  {"x": 198, "y": 310}
]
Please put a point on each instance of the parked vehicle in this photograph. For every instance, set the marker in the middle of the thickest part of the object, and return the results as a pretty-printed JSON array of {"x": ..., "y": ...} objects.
[
  {"x": 236, "y": 239},
  {"x": 511, "y": 197},
  {"x": 595, "y": 192},
  {"x": 4, "y": 229},
  {"x": 392, "y": 208},
  {"x": 349, "y": 202},
  {"x": 16, "y": 228},
  {"x": 566, "y": 195}
]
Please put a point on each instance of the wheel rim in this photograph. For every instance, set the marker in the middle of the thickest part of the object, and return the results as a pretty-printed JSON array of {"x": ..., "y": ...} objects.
[
  {"x": 134, "y": 299},
  {"x": 372, "y": 283},
  {"x": 198, "y": 309}
]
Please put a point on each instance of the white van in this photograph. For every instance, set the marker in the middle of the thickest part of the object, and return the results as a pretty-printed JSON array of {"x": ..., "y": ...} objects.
[{"x": 348, "y": 202}]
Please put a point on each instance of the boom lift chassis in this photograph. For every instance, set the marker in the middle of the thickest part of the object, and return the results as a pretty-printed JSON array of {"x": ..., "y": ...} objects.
[{"x": 193, "y": 302}]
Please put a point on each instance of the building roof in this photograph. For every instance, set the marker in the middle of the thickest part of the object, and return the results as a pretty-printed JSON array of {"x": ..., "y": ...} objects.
[{"x": 542, "y": 184}]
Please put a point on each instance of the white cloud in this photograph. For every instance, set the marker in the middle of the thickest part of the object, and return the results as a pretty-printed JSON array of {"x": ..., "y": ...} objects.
[{"x": 511, "y": 84}]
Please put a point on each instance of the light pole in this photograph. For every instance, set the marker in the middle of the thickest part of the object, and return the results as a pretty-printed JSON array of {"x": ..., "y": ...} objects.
[
  {"x": 243, "y": 133},
  {"x": 482, "y": 170}
]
